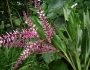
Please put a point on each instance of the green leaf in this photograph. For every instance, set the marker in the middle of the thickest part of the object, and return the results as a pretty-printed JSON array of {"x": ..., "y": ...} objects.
[
  {"x": 58, "y": 65},
  {"x": 54, "y": 8},
  {"x": 85, "y": 47},
  {"x": 38, "y": 24},
  {"x": 2, "y": 25},
  {"x": 17, "y": 22},
  {"x": 66, "y": 10},
  {"x": 48, "y": 57},
  {"x": 88, "y": 21},
  {"x": 56, "y": 41},
  {"x": 86, "y": 39},
  {"x": 8, "y": 25},
  {"x": 55, "y": 5},
  {"x": 59, "y": 21},
  {"x": 79, "y": 41},
  {"x": 73, "y": 25},
  {"x": 33, "y": 9},
  {"x": 51, "y": 15},
  {"x": 44, "y": 6},
  {"x": 37, "y": 68},
  {"x": 78, "y": 60},
  {"x": 26, "y": 67}
]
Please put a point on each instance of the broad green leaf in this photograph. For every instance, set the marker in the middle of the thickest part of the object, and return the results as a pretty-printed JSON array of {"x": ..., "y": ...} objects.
[
  {"x": 88, "y": 21},
  {"x": 60, "y": 22},
  {"x": 17, "y": 21},
  {"x": 58, "y": 43},
  {"x": 79, "y": 40},
  {"x": 51, "y": 15},
  {"x": 73, "y": 25},
  {"x": 38, "y": 68},
  {"x": 61, "y": 35},
  {"x": 55, "y": 5},
  {"x": 37, "y": 23},
  {"x": 66, "y": 11},
  {"x": 58, "y": 65},
  {"x": 78, "y": 60},
  {"x": 79, "y": 1},
  {"x": 54, "y": 8},
  {"x": 33, "y": 9},
  {"x": 48, "y": 57},
  {"x": 26, "y": 67},
  {"x": 44, "y": 6},
  {"x": 86, "y": 39},
  {"x": 85, "y": 47}
]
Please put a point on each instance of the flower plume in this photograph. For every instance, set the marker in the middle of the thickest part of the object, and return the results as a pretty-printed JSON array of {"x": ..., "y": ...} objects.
[
  {"x": 49, "y": 31},
  {"x": 37, "y": 48},
  {"x": 18, "y": 39}
]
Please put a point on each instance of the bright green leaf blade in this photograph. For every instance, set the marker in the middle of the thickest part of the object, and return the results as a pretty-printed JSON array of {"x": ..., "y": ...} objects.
[
  {"x": 26, "y": 67},
  {"x": 58, "y": 43}
]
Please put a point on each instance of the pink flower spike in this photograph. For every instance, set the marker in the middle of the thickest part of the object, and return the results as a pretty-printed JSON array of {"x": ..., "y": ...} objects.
[
  {"x": 23, "y": 56},
  {"x": 11, "y": 38},
  {"x": 49, "y": 31},
  {"x": 36, "y": 1},
  {"x": 27, "y": 19}
]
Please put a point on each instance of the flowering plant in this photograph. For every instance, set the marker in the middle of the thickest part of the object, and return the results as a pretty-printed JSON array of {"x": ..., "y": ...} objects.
[
  {"x": 18, "y": 39},
  {"x": 73, "y": 46}
]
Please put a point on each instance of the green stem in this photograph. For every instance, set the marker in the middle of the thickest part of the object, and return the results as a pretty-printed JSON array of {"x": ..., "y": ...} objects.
[
  {"x": 72, "y": 63},
  {"x": 9, "y": 13},
  {"x": 77, "y": 59},
  {"x": 88, "y": 64},
  {"x": 17, "y": 13},
  {"x": 65, "y": 56},
  {"x": 68, "y": 34}
]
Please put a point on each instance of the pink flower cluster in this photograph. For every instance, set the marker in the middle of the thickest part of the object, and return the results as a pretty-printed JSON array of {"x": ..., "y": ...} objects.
[
  {"x": 38, "y": 48},
  {"x": 49, "y": 31},
  {"x": 18, "y": 39}
]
